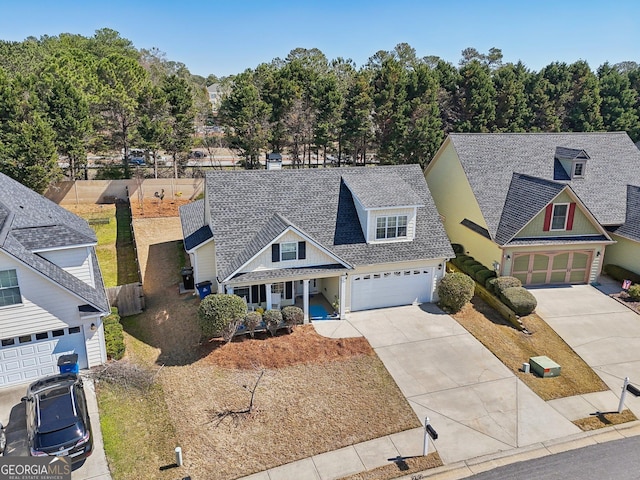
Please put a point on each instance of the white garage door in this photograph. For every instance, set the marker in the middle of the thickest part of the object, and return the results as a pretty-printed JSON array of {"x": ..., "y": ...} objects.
[
  {"x": 390, "y": 289},
  {"x": 29, "y": 357}
]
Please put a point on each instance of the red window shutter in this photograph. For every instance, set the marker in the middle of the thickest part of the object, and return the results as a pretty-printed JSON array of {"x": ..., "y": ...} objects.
[
  {"x": 547, "y": 217},
  {"x": 572, "y": 211}
]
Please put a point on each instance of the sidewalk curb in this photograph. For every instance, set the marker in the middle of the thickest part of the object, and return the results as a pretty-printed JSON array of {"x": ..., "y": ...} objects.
[{"x": 481, "y": 464}]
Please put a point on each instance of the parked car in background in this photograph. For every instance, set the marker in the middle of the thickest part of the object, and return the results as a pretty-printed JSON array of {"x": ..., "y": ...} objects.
[
  {"x": 57, "y": 418},
  {"x": 197, "y": 154}
]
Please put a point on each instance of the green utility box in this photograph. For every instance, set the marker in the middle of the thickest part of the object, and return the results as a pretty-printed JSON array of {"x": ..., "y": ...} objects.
[{"x": 544, "y": 367}]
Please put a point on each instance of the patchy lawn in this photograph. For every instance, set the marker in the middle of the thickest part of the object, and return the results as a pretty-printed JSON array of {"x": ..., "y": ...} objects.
[
  {"x": 317, "y": 394},
  {"x": 514, "y": 348}
]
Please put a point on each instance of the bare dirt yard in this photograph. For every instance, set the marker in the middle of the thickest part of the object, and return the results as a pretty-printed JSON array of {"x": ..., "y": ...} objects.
[{"x": 315, "y": 394}]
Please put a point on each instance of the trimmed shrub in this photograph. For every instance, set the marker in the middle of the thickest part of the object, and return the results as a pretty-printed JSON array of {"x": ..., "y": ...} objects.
[
  {"x": 490, "y": 284},
  {"x": 519, "y": 299},
  {"x": 273, "y": 318},
  {"x": 475, "y": 269},
  {"x": 620, "y": 273},
  {"x": 634, "y": 292},
  {"x": 459, "y": 260},
  {"x": 468, "y": 264},
  {"x": 505, "y": 282},
  {"x": 455, "y": 290},
  {"x": 113, "y": 336},
  {"x": 252, "y": 321},
  {"x": 457, "y": 249},
  {"x": 482, "y": 276},
  {"x": 292, "y": 316},
  {"x": 219, "y": 312}
]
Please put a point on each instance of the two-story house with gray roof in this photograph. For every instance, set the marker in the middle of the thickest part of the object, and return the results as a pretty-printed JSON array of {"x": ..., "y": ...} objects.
[
  {"x": 548, "y": 208},
  {"x": 52, "y": 298},
  {"x": 366, "y": 237}
]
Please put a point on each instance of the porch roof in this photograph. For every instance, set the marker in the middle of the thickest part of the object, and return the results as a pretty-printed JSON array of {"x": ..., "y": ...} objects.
[{"x": 285, "y": 274}]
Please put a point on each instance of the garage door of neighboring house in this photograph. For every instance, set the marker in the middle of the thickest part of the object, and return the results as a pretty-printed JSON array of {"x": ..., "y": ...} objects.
[
  {"x": 27, "y": 358},
  {"x": 390, "y": 289},
  {"x": 542, "y": 268}
]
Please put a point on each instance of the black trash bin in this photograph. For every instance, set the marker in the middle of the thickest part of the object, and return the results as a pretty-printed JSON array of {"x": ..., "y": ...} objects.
[
  {"x": 68, "y": 363},
  {"x": 187, "y": 278},
  {"x": 204, "y": 288}
]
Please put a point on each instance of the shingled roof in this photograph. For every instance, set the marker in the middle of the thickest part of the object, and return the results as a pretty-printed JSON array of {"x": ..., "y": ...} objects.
[
  {"x": 631, "y": 227},
  {"x": 249, "y": 207},
  {"x": 490, "y": 160},
  {"x": 30, "y": 223}
]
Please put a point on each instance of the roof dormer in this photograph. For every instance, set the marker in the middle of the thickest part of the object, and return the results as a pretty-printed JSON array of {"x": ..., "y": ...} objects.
[
  {"x": 573, "y": 162},
  {"x": 386, "y": 206}
]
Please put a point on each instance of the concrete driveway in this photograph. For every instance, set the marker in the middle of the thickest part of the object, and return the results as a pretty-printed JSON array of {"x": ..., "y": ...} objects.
[
  {"x": 477, "y": 405},
  {"x": 605, "y": 333},
  {"x": 12, "y": 415}
]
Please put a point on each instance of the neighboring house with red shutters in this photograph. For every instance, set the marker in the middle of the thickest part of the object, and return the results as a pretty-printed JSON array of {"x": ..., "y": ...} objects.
[{"x": 548, "y": 208}]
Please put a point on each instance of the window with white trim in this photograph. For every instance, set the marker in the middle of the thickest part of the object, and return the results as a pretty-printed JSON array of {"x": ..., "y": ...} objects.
[
  {"x": 277, "y": 288},
  {"x": 578, "y": 170},
  {"x": 9, "y": 289},
  {"x": 559, "y": 217},
  {"x": 289, "y": 251},
  {"x": 394, "y": 226}
]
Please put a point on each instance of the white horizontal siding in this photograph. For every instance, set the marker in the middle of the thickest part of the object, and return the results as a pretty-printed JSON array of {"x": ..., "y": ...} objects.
[
  {"x": 76, "y": 261},
  {"x": 96, "y": 352},
  {"x": 205, "y": 263},
  {"x": 46, "y": 306},
  {"x": 314, "y": 256}
]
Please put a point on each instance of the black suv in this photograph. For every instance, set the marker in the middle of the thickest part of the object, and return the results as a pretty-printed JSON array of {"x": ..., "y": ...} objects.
[{"x": 57, "y": 418}]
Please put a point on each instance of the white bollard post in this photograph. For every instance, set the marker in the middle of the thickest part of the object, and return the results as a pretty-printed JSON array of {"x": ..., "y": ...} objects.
[
  {"x": 179, "y": 456},
  {"x": 623, "y": 394},
  {"x": 425, "y": 448}
]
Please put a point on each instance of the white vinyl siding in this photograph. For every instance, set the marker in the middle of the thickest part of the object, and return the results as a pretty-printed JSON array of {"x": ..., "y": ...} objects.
[
  {"x": 314, "y": 256},
  {"x": 96, "y": 350},
  {"x": 363, "y": 215},
  {"x": 205, "y": 263},
  {"x": 76, "y": 261}
]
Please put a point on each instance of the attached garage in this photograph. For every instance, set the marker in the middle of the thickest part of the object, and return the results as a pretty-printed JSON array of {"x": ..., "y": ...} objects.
[
  {"x": 390, "y": 289},
  {"x": 29, "y": 357},
  {"x": 541, "y": 268}
]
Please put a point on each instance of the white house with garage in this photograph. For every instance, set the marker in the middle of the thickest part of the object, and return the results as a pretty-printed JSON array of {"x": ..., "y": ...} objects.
[
  {"x": 52, "y": 297},
  {"x": 354, "y": 238}
]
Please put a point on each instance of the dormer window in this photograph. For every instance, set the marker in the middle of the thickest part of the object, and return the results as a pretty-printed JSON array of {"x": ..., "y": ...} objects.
[
  {"x": 391, "y": 227},
  {"x": 578, "y": 169}
]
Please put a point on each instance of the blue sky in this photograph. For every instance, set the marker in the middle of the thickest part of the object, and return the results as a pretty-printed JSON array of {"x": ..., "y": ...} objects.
[{"x": 224, "y": 37}]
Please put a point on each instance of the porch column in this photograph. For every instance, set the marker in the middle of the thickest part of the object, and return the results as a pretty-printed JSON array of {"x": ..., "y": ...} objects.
[
  {"x": 343, "y": 295},
  {"x": 267, "y": 287},
  {"x": 230, "y": 290},
  {"x": 305, "y": 299}
]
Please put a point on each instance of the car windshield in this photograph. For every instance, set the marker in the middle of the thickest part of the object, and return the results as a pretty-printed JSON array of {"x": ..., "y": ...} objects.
[{"x": 62, "y": 436}]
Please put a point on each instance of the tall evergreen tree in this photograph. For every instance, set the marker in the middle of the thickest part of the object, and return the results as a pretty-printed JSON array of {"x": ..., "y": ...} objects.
[
  {"x": 512, "y": 109},
  {"x": 618, "y": 101},
  {"x": 583, "y": 114},
  {"x": 476, "y": 98}
]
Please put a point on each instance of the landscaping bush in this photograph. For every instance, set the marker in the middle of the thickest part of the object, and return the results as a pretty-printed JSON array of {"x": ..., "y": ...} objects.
[
  {"x": 473, "y": 269},
  {"x": 218, "y": 313},
  {"x": 467, "y": 264},
  {"x": 482, "y": 276},
  {"x": 502, "y": 283},
  {"x": 634, "y": 292},
  {"x": 252, "y": 321},
  {"x": 519, "y": 299},
  {"x": 292, "y": 316},
  {"x": 620, "y": 273},
  {"x": 490, "y": 284},
  {"x": 272, "y": 318},
  {"x": 458, "y": 260},
  {"x": 113, "y": 336},
  {"x": 457, "y": 249},
  {"x": 455, "y": 290}
]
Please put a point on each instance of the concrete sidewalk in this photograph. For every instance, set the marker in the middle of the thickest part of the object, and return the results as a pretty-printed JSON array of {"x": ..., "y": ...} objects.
[{"x": 484, "y": 414}]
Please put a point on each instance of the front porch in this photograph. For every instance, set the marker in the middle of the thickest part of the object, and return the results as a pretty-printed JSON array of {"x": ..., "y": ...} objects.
[{"x": 315, "y": 296}]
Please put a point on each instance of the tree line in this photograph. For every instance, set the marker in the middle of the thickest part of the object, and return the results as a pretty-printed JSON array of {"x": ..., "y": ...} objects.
[
  {"x": 64, "y": 96},
  {"x": 400, "y": 106}
]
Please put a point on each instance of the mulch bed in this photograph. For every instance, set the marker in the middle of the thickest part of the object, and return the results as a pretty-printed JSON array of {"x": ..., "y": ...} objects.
[{"x": 625, "y": 299}]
